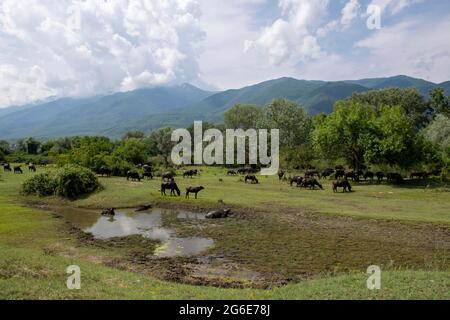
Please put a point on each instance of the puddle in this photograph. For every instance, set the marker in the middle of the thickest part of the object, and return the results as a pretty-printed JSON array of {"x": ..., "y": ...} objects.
[{"x": 149, "y": 224}]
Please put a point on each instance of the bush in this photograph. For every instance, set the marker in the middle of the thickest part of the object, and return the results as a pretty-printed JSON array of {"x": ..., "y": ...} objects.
[
  {"x": 42, "y": 185},
  {"x": 69, "y": 182},
  {"x": 73, "y": 181}
]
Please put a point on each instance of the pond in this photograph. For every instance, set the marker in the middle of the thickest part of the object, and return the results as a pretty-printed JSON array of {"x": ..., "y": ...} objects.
[{"x": 148, "y": 224}]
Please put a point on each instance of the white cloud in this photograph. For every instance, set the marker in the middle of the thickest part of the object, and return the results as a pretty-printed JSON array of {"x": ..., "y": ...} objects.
[
  {"x": 120, "y": 45},
  {"x": 290, "y": 39},
  {"x": 350, "y": 12},
  {"x": 394, "y": 6}
]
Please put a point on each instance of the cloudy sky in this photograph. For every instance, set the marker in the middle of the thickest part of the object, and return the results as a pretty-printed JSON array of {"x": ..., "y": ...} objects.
[{"x": 59, "y": 48}]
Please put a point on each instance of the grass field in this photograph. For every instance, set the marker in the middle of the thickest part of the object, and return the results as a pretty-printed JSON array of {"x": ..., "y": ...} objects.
[{"x": 317, "y": 243}]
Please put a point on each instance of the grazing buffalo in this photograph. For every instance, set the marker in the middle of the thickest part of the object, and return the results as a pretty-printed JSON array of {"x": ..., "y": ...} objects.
[
  {"x": 18, "y": 170},
  {"x": 252, "y": 178},
  {"x": 311, "y": 183},
  {"x": 167, "y": 176},
  {"x": 246, "y": 170},
  {"x": 344, "y": 184},
  {"x": 32, "y": 167},
  {"x": 380, "y": 176},
  {"x": 339, "y": 174},
  {"x": 147, "y": 174},
  {"x": 172, "y": 186},
  {"x": 351, "y": 175},
  {"x": 297, "y": 180},
  {"x": 109, "y": 212},
  {"x": 104, "y": 171},
  {"x": 418, "y": 174},
  {"x": 327, "y": 172},
  {"x": 190, "y": 173},
  {"x": 194, "y": 190},
  {"x": 6, "y": 167},
  {"x": 310, "y": 173},
  {"x": 218, "y": 214},
  {"x": 231, "y": 173},
  {"x": 281, "y": 174},
  {"x": 133, "y": 175},
  {"x": 394, "y": 178},
  {"x": 368, "y": 175}
]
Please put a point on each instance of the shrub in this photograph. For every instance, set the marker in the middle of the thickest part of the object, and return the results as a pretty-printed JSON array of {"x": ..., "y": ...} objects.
[
  {"x": 73, "y": 181},
  {"x": 42, "y": 185},
  {"x": 69, "y": 182}
]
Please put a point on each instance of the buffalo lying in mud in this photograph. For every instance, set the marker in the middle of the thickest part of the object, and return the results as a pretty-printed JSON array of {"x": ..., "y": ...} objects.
[
  {"x": 194, "y": 190},
  {"x": 341, "y": 184},
  {"x": 172, "y": 186},
  {"x": 251, "y": 178},
  {"x": 311, "y": 183},
  {"x": 143, "y": 208},
  {"x": 218, "y": 214},
  {"x": 133, "y": 175}
]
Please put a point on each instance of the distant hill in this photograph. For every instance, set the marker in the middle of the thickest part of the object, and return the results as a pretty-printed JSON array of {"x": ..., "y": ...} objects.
[{"x": 178, "y": 106}]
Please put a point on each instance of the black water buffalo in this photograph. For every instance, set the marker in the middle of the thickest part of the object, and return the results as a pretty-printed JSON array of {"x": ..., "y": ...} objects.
[
  {"x": 418, "y": 174},
  {"x": 327, "y": 172},
  {"x": 339, "y": 167},
  {"x": 351, "y": 175},
  {"x": 310, "y": 173},
  {"x": 311, "y": 183},
  {"x": 218, "y": 214},
  {"x": 231, "y": 173},
  {"x": 368, "y": 175},
  {"x": 281, "y": 174},
  {"x": 246, "y": 170},
  {"x": 104, "y": 171},
  {"x": 147, "y": 174},
  {"x": 341, "y": 184},
  {"x": 32, "y": 167},
  {"x": 143, "y": 208},
  {"x": 18, "y": 170},
  {"x": 380, "y": 176},
  {"x": 7, "y": 167},
  {"x": 167, "y": 176},
  {"x": 109, "y": 212},
  {"x": 297, "y": 180},
  {"x": 394, "y": 178},
  {"x": 339, "y": 174},
  {"x": 190, "y": 173},
  {"x": 172, "y": 186},
  {"x": 194, "y": 190},
  {"x": 134, "y": 176},
  {"x": 252, "y": 178},
  {"x": 435, "y": 173}
]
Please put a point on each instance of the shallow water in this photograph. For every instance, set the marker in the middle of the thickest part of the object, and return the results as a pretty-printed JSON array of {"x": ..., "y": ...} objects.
[{"x": 149, "y": 224}]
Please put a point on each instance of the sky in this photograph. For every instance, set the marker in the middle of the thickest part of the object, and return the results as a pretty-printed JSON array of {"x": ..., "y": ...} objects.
[{"x": 77, "y": 48}]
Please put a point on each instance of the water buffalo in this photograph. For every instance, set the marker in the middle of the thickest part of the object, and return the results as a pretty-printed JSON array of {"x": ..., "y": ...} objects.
[
  {"x": 172, "y": 186},
  {"x": 252, "y": 178},
  {"x": 435, "y": 173},
  {"x": 351, "y": 175},
  {"x": 194, "y": 190},
  {"x": 310, "y": 173},
  {"x": 143, "y": 208},
  {"x": 339, "y": 174},
  {"x": 32, "y": 167},
  {"x": 418, "y": 174},
  {"x": 104, "y": 171},
  {"x": 109, "y": 212},
  {"x": 311, "y": 183},
  {"x": 190, "y": 173},
  {"x": 341, "y": 184},
  {"x": 281, "y": 174},
  {"x": 147, "y": 174},
  {"x": 218, "y": 214},
  {"x": 368, "y": 175},
  {"x": 7, "y": 167},
  {"x": 246, "y": 170},
  {"x": 394, "y": 178},
  {"x": 327, "y": 172},
  {"x": 18, "y": 170},
  {"x": 133, "y": 175},
  {"x": 231, "y": 173},
  {"x": 380, "y": 176},
  {"x": 339, "y": 167},
  {"x": 297, "y": 180},
  {"x": 167, "y": 176}
]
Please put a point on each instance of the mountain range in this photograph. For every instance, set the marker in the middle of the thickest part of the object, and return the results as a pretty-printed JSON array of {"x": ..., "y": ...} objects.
[{"x": 178, "y": 106}]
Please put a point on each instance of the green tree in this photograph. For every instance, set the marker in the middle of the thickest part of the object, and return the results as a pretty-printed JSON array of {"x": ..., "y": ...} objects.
[
  {"x": 89, "y": 152},
  {"x": 133, "y": 135},
  {"x": 5, "y": 148},
  {"x": 132, "y": 150},
  {"x": 438, "y": 131},
  {"x": 242, "y": 116},
  {"x": 164, "y": 145},
  {"x": 439, "y": 102},
  {"x": 291, "y": 119}
]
